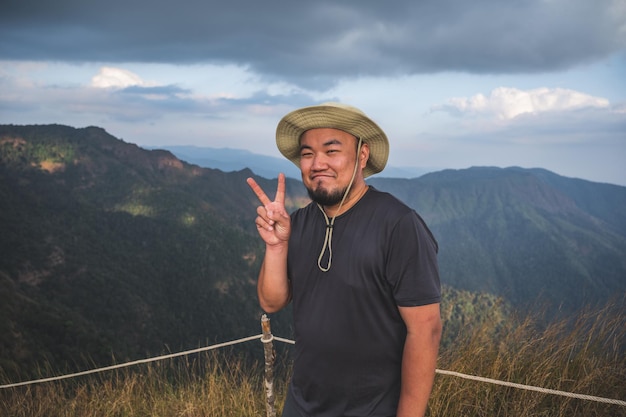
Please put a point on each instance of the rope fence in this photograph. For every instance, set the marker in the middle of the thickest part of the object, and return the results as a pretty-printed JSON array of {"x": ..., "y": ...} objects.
[
  {"x": 137, "y": 362},
  {"x": 267, "y": 338},
  {"x": 531, "y": 388}
]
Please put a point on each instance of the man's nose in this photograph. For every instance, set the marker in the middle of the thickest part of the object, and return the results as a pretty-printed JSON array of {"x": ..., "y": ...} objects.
[{"x": 319, "y": 162}]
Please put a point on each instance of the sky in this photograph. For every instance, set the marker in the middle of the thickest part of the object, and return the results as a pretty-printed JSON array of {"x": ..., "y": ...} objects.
[{"x": 453, "y": 83}]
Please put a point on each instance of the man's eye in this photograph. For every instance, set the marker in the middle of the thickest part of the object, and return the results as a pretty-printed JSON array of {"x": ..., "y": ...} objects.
[{"x": 305, "y": 154}]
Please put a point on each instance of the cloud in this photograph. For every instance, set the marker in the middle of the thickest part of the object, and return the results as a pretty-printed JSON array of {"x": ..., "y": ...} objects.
[
  {"x": 109, "y": 77},
  {"x": 507, "y": 103},
  {"x": 566, "y": 130},
  {"x": 315, "y": 44},
  {"x": 115, "y": 95}
]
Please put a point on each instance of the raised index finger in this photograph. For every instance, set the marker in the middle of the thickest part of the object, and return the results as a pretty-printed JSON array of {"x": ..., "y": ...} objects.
[
  {"x": 280, "y": 190},
  {"x": 258, "y": 191}
]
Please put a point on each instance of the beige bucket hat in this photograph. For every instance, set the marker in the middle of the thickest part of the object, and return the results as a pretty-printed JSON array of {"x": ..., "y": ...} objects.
[{"x": 336, "y": 116}]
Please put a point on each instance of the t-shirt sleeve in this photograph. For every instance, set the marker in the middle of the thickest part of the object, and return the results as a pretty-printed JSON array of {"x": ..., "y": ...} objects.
[{"x": 412, "y": 268}]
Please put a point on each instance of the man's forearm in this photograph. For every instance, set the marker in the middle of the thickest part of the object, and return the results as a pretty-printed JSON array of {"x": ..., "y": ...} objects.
[
  {"x": 273, "y": 287},
  {"x": 418, "y": 369}
]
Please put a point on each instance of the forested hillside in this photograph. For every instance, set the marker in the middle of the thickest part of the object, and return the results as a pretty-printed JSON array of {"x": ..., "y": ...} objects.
[
  {"x": 537, "y": 239},
  {"x": 109, "y": 250}
]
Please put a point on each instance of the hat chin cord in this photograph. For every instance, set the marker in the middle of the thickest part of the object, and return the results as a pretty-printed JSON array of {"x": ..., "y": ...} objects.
[{"x": 328, "y": 238}]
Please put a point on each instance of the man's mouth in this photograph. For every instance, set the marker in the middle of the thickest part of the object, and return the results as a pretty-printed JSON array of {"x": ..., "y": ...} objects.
[{"x": 320, "y": 176}]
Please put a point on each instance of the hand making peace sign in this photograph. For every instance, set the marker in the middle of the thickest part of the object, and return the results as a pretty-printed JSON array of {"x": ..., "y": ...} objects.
[{"x": 273, "y": 221}]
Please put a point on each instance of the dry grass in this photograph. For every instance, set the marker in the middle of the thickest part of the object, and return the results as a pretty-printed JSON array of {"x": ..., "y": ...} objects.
[
  {"x": 212, "y": 384},
  {"x": 586, "y": 356}
]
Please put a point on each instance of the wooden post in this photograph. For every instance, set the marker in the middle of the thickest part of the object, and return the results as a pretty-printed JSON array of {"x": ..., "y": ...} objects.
[{"x": 268, "y": 348}]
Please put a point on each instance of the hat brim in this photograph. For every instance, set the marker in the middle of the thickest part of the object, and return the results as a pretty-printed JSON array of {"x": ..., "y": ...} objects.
[{"x": 334, "y": 116}]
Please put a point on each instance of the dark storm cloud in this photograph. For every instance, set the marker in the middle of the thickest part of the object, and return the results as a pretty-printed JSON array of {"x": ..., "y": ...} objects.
[{"x": 317, "y": 43}]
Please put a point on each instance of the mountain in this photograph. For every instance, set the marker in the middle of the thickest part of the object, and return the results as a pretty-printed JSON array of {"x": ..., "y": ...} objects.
[
  {"x": 229, "y": 160},
  {"x": 530, "y": 236},
  {"x": 108, "y": 249}
]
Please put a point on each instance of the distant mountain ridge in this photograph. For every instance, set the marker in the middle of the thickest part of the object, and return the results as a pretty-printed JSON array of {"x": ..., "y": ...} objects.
[
  {"x": 110, "y": 248},
  {"x": 229, "y": 160}
]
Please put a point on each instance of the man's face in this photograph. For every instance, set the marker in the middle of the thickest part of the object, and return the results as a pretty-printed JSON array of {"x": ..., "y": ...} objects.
[{"x": 327, "y": 159}]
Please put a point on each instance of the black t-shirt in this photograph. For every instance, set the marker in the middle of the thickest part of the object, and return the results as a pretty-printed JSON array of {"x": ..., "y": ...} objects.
[{"x": 349, "y": 332}]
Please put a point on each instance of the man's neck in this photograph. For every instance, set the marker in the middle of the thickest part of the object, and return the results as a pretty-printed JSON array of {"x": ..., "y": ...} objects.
[{"x": 354, "y": 195}]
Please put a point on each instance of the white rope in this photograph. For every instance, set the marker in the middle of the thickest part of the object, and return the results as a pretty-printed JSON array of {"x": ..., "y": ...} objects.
[
  {"x": 280, "y": 339},
  {"x": 292, "y": 342},
  {"x": 531, "y": 388},
  {"x": 512, "y": 384},
  {"x": 137, "y": 362}
]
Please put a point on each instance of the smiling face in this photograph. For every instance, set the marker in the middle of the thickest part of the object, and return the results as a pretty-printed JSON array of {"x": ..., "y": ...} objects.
[{"x": 327, "y": 161}]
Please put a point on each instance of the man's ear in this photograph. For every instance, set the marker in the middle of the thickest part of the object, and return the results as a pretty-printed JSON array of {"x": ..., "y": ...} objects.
[{"x": 364, "y": 155}]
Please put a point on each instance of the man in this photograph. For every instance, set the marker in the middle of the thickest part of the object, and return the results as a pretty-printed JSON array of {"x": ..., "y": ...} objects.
[{"x": 360, "y": 267}]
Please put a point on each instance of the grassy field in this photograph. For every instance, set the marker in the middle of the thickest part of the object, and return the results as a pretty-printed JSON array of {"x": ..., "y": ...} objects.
[{"x": 586, "y": 356}]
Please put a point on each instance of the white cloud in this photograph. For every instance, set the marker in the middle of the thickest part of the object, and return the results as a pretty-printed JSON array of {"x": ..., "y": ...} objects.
[
  {"x": 507, "y": 103},
  {"x": 109, "y": 77}
]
